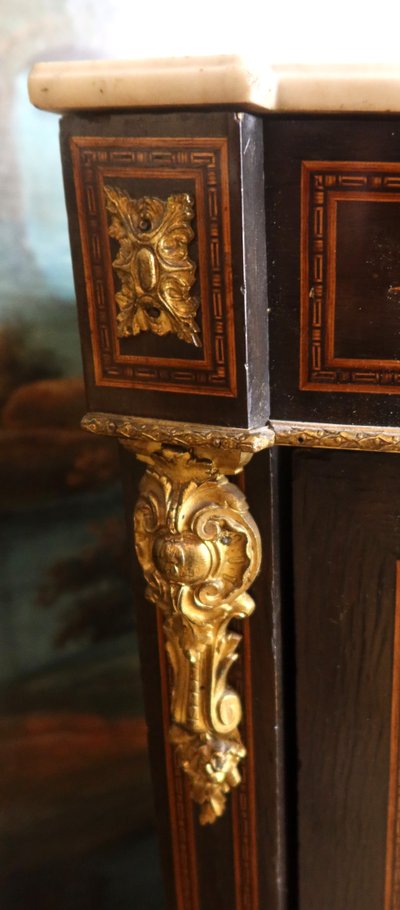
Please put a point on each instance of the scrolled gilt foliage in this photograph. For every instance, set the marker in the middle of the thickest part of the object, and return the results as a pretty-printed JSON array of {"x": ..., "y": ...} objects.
[
  {"x": 153, "y": 264},
  {"x": 200, "y": 550}
]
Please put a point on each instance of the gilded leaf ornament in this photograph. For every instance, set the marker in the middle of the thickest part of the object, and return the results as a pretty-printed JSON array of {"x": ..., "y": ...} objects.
[
  {"x": 153, "y": 264},
  {"x": 199, "y": 549}
]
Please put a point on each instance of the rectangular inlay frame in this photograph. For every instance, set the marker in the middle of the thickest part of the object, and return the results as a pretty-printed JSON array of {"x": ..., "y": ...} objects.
[
  {"x": 204, "y": 161},
  {"x": 324, "y": 186}
]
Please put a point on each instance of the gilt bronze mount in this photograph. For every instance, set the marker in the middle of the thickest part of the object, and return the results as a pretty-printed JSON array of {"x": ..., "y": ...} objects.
[
  {"x": 200, "y": 550},
  {"x": 153, "y": 264}
]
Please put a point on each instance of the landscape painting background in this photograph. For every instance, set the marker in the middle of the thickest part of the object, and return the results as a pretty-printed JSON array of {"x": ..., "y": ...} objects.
[{"x": 76, "y": 813}]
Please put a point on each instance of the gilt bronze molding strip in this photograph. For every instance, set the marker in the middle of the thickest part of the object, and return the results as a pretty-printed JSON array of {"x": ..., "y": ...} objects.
[
  {"x": 184, "y": 434},
  {"x": 276, "y": 433},
  {"x": 336, "y": 436}
]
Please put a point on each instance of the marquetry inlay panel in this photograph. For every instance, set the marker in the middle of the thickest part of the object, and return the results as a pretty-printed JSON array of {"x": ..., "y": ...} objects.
[
  {"x": 350, "y": 277},
  {"x": 159, "y": 168}
]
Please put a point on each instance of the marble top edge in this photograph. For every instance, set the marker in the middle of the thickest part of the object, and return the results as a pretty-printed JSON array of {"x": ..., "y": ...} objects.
[{"x": 217, "y": 80}]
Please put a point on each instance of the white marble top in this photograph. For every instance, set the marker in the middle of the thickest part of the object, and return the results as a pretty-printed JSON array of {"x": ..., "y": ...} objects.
[{"x": 223, "y": 80}]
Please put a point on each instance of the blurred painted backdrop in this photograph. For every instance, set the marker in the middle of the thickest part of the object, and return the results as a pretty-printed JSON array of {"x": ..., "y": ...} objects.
[
  {"x": 76, "y": 826},
  {"x": 76, "y": 814}
]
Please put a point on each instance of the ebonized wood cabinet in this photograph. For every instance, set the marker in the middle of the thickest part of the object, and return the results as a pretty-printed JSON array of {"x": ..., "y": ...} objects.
[{"x": 264, "y": 313}]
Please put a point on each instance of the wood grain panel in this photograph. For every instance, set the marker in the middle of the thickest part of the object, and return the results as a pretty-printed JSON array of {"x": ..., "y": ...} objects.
[
  {"x": 346, "y": 545},
  {"x": 392, "y": 888}
]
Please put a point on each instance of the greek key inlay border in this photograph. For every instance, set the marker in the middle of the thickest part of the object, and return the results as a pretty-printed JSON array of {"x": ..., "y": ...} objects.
[
  {"x": 204, "y": 163},
  {"x": 325, "y": 184}
]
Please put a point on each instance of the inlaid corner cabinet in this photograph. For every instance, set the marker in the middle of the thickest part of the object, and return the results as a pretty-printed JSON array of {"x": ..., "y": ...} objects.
[{"x": 238, "y": 285}]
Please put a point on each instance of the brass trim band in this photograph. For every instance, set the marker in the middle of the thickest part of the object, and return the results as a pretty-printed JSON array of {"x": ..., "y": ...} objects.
[
  {"x": 276, "y": 433},
  {"x": 184, "y": 434},
  {"x": 336, "y": 436}
]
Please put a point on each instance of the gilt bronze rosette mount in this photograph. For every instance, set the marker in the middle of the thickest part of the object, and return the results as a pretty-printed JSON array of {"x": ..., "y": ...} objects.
[{"x": 153, "y": 266}]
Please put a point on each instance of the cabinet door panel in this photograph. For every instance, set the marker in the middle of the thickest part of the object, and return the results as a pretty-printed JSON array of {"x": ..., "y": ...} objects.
[
  {"x": 346, "y": 552},
  {"x": 332, "y": 204}
]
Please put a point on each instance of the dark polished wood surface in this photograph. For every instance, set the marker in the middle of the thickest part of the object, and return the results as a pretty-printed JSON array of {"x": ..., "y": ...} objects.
[
  {"x": 240, "y": 861},
  {"x": 346, "y": 535},
  {"x": 216, "y": 158},
  {"x": 340, "y": 361},
  {"x": 314, "y": 823}
]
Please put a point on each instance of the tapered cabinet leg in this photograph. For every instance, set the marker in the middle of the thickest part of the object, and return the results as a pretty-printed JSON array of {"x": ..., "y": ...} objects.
[
  {"x": 200, "y": 550},
  {"x": 239, "y": 857}
]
